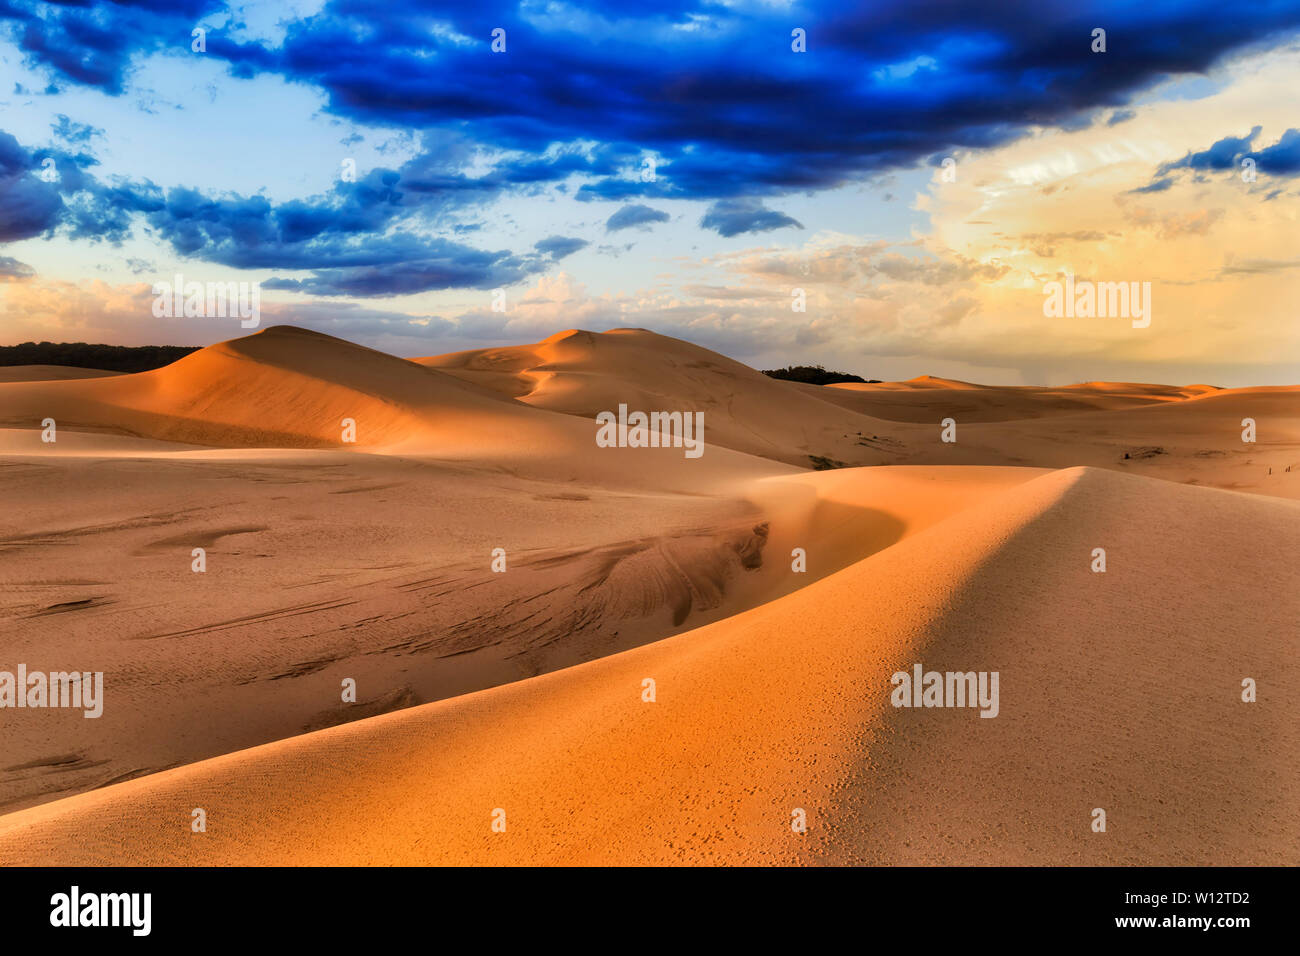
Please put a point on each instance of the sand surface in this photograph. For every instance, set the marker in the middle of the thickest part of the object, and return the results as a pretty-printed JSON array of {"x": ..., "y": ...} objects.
[
  {"x": 1118, "y": 691},
  {"x": 371, "y": 560}
]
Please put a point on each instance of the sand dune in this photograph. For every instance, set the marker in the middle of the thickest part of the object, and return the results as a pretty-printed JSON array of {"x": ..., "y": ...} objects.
[
  {"x": 531, "y": 409},
  {"x": 1138, "y": 389},
  {"x": 1118, "y": 691},
  {"x": 583, "y": 373},
  {"x": 1195, "y": 441},
  {"x": 929, "y": 399},
  {"x": 920, "y": 382},
  {"x": 291, "y": 388},
  {"x": 377, "y": 568},
  {"x": 48, "y": 373},
  {"x": 1096, "y": 424},
  {"x": 282, "y": 387}
]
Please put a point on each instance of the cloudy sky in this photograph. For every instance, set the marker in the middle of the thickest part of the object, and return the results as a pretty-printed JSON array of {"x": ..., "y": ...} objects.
[{"x": 675, "y": 165}]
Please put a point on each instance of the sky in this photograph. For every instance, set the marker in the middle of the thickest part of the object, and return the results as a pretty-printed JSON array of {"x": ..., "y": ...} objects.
[{"x": 424, "y": 178}]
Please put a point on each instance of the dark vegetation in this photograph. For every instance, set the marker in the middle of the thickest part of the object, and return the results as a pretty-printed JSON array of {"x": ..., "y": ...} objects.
[
  {"x": 109, "y": 358},
  {"x": 814, "y": 375}
]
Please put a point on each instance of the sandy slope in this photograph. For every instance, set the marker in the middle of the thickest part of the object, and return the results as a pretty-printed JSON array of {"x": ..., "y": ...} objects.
[
  {"x": 1118, "y": 691},
  {"x": 322, "y": 566}
]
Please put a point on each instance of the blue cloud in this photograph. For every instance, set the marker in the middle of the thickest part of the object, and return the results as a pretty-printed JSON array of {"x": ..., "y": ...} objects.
[
  {"x": 93, "y": 44},
  {"x": 11, "y": 268},
  {"x": 1155, "y": 186},
  {"x": 731, "y": 217},
  {"x": 29, "y": 206},
  {"x": 557, "y": 247},
  {"x": 634, "y": 215},
  {"x": 583, "y": 98},
  {"x": 360, "y": 239},
  {"x": 1221, "y": 155},
  {"x": 727, "y": 106},
  {"x": 407, "y": 266},
  {"x": 1280, "y": 159},
  {"x": 1283, "y": 157},
  {"x": 74, "y": 134}
]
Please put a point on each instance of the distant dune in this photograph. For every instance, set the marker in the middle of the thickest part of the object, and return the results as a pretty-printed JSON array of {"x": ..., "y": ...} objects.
[
  {"x": 533, "y": 406},
  {"x": 281, "y": 387},
  {"x": 48, "y": 373},
  {"x": 922, "y": 399},
  {"x": 584, "y": 373},
  {"x": 767, "y": 587}
]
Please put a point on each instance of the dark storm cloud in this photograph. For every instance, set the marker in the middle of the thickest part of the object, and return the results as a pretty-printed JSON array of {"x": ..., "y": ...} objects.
[
  {"x": 619, "y": 95},
  {"x": 729, "y": 108}
]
